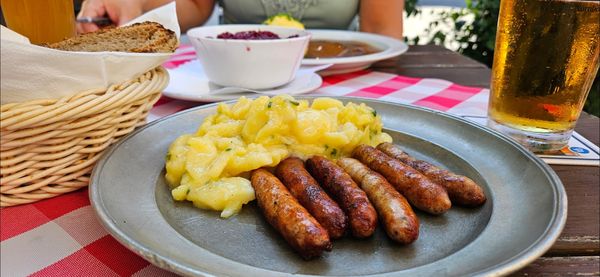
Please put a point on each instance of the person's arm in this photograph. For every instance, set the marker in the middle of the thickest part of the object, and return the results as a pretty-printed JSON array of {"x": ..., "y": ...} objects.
[
  {"x": 381, "y": 17},
  {"x": 190, "y": 13}
]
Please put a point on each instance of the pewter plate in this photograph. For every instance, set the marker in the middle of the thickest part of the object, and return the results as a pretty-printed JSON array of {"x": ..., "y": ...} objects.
[{"x": 525, "y": 212}]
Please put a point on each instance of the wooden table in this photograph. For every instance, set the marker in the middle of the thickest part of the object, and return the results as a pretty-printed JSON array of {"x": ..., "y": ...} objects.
[{"x": 578, "y": 248}]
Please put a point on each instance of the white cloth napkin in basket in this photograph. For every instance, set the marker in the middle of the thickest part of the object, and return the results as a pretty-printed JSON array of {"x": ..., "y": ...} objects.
[{"x": 32, "y": 72}]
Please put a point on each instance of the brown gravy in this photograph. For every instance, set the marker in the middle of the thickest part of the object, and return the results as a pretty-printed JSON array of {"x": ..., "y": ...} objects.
[{"x": 335, "y": 49}]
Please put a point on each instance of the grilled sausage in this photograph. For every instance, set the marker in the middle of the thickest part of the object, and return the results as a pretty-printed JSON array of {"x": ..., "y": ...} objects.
[
  {"x": 284, "y": 213},
  {"x": 307, "y": 191},
  {"x": 361, "y": 214},
  {"x": 418, "y": 189},
  {"x": 398, "y": 218},
  {"x": 461, "y": 190}
]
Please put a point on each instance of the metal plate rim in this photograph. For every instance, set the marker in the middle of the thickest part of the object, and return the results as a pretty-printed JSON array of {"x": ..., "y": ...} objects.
[{"x": 519, "y": 260}]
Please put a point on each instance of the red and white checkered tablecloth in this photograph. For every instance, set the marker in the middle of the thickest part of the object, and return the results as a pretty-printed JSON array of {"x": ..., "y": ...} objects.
[
  {"x": 432, "y": 93},
  {"x": 62, "y": 236}
]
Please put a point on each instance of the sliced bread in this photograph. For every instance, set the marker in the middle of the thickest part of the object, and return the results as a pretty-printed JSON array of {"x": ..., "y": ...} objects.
[{"x": 146, "y": 37}]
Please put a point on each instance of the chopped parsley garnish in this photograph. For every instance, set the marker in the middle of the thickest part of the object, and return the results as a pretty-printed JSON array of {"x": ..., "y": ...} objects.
[
  {"x": 374, "y": 112},
  {"x": 334, "y": 152},
  {"x": 269, "y": 105},
  {"x": 294, "y": 103},
  {"x": 228, "y": 149}
]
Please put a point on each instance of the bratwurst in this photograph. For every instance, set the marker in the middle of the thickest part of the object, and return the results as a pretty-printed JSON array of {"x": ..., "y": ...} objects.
[
  {"x": 398, "y": 218},
  {"x": 284, "y": 213},
  {"x": 307, "y": 191},
  {"x": 461, "y": 190},
  {"x": 361, "y": 214},
  {"x": 424, "y": 194}
]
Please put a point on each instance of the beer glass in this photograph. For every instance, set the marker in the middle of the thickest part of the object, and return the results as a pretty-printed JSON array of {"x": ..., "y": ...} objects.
[
  {"x": 545, "y": 61},
  {"x": 44, "y": 21}
]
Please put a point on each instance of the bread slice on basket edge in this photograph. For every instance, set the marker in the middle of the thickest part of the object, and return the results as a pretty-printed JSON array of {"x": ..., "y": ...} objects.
[{"x": 145, "y": 37}]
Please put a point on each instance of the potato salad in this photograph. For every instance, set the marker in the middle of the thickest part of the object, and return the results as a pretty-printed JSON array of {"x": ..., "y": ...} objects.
[{"x": 205, "y": 167}]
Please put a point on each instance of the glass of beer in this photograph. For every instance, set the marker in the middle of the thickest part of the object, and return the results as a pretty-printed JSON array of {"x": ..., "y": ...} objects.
[
  {"x": 546, "y": 58},
  {"x": 45, "y": 21}
]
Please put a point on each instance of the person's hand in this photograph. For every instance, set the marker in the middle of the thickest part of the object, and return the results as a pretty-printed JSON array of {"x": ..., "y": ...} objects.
[{"x": 119, "y": 12}]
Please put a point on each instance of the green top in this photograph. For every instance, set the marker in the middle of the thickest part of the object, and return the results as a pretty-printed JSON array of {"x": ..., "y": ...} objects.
[{"x": 314, "y": 14}]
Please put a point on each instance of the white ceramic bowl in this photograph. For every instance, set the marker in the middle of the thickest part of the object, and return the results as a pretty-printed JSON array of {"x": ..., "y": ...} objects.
[{"x": 252, "y": 64}]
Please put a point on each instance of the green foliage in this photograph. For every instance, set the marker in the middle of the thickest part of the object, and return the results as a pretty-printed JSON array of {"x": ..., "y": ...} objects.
[
  {"x": 479, "y": 37},
  {"x": 410, "y": 6},
  {"x": 473, "y": 29}
]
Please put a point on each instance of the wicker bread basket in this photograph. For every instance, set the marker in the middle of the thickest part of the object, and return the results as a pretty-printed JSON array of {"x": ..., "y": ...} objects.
[{"x": 49, "y": 147}]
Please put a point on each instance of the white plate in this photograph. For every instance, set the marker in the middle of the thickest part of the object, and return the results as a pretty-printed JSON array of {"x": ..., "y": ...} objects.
[
  {"x": 189, "y": 82},
  {"x": 390, "y": 48}
]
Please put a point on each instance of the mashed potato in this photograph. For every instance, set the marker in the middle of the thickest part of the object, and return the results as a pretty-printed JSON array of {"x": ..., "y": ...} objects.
[
  {"x": 284, "y": 20},
  {"x": 254, "y": 133}
]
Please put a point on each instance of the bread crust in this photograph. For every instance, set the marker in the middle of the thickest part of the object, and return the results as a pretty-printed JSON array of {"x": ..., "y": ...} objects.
[{"x": 145, "y": 37}]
